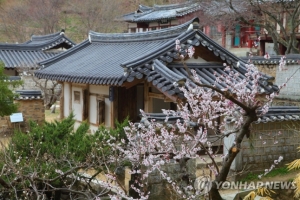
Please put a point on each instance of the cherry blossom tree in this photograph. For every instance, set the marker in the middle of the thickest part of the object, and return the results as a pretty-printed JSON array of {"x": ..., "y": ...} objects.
[
  {"x": 153, "y": 145},
  {"x": 148, "y": 147}
]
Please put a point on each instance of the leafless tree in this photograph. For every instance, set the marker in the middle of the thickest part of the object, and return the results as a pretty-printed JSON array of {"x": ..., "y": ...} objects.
[
  {"x": 46, "y": 14},
  {"x": 14, "y": 22},
  {"x": 278, "y": 20},
  {"x": 50, "y": 89}
]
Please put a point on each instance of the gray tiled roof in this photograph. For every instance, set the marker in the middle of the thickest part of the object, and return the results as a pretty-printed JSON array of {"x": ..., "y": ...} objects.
[
  {"x": 112, "y": 59},
  {"x": 33, "y": 51},
  {"x": 29, "y": 94},
  {"x": 291, "y": 59},
  {"x": 275, "y": 114},
  {"x": 103, "y": 56},
  {"x": 280, "y": 113},
  {"x": 164, "y": 76},
  {"x": 159, "y": 12}
]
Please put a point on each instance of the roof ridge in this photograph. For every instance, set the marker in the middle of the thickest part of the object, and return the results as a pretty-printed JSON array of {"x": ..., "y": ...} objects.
[
  {"x": 48, "y": 36},
  {"x": 142, "y": 36},
  {"x": 39, "y": 46},
  {"x": 174, "y": 6},
  {"x": 141, "y": 6}
]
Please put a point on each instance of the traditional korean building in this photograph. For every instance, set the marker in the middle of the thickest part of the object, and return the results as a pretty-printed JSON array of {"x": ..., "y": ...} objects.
[
  {"x": 147, "y": 18},
  {"x": 242, "y": 39},
  {"x": 111, "y": 76},
  {"x": 28, "y": 54}
]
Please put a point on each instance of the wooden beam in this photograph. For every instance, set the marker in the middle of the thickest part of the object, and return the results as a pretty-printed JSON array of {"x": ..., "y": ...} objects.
[
  {"x": 86, "y": 103},
  {"x": 156, "y": 95},
  {"x": 114, "y": 108},
  {"x": 128, "y": 85},
  {"x": 172, "y": 98},
  {"x": 160, "y": 96}
]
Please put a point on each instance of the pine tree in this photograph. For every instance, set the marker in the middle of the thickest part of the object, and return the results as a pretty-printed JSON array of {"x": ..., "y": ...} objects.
[{"x": 7, "y": 95}]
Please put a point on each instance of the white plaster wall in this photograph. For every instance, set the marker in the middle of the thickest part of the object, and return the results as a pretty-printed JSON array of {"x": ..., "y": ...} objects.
[
  {"x": 107, "y": 113},
  {"x": 151, "y": 24},
  {"x": 93, "y": 128},
  {"x": 77, "y": 107},
  {"x": 174, "y": 22},
  {"x": 93, "y": 110},
  {"x": 67, "y": 88},
  {"x": 292, "y": 89},
  {"x": 99, "y": 89},
  {"x": 132, "y": 25}
]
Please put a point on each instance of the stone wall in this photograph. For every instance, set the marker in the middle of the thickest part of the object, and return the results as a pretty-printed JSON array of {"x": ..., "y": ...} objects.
[
  {"x": 159, "y": 188},
  {"x": 31, "y": 109},
  {"x": 30, "y": 84},
  {"x": 291, "y": 91},
  {"x": 266, "y": 145},
  {"x": 268, "y": 69}
]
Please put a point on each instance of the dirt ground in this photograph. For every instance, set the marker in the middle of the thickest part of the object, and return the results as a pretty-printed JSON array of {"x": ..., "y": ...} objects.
[{"x": 50, "y": 117}]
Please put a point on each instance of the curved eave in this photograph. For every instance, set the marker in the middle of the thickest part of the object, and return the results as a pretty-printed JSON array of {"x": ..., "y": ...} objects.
[
  {"x": 142, "y": 36},
  {"x": 150, "y": 56},
  {"x": 79, "y": 79},
  {"x": 45, "y": 37},
  {"x": 189, "y": 37},
  {"x": 41, "y": 46},
  {"x": 158, "y": 19},
  {"x": 280, "y": 113}
]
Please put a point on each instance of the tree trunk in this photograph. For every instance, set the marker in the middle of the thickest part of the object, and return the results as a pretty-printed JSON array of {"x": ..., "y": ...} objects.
[
  {"x": 214, "y": 192},
  {"x": 53, "y": 107},
  {"x": 232, "y": 152},
  {"x": 276, "y": 48}
]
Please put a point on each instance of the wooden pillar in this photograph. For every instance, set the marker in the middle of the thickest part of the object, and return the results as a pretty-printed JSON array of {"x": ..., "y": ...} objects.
[
  {"x": 86, "y": 103},
  {"x": 249, "y": 41},
  {"x": 147, "y": 99},
  {"x": 114, "y": 108},
  {"x": 61, "y": 102},
  {"x": 70, "y": 99}
]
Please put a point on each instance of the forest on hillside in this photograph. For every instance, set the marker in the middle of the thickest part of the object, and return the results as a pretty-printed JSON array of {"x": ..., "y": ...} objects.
[{"x": 19, "y": 19}]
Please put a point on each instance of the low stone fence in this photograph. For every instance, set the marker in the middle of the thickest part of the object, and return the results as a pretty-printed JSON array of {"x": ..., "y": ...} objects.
[
  {"x": 32, "y": 108},
  {"x": 268, "y": 141},
  {"x": 271, "y": 140}
]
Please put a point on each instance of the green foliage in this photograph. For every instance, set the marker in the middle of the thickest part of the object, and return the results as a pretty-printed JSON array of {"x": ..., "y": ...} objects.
[
  {"x": 116, "y": 134},
  {"x": 275, "y": 172},
  {"x": 7, "y": 96},
  {"x": 55, "y": 148},
  {"x": 55, "y": 140}
]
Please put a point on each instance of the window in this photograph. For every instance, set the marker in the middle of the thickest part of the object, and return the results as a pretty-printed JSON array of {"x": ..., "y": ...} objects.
[
  {"x": 76, "y": 97},
  {"x": 101, "y": 111}
]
